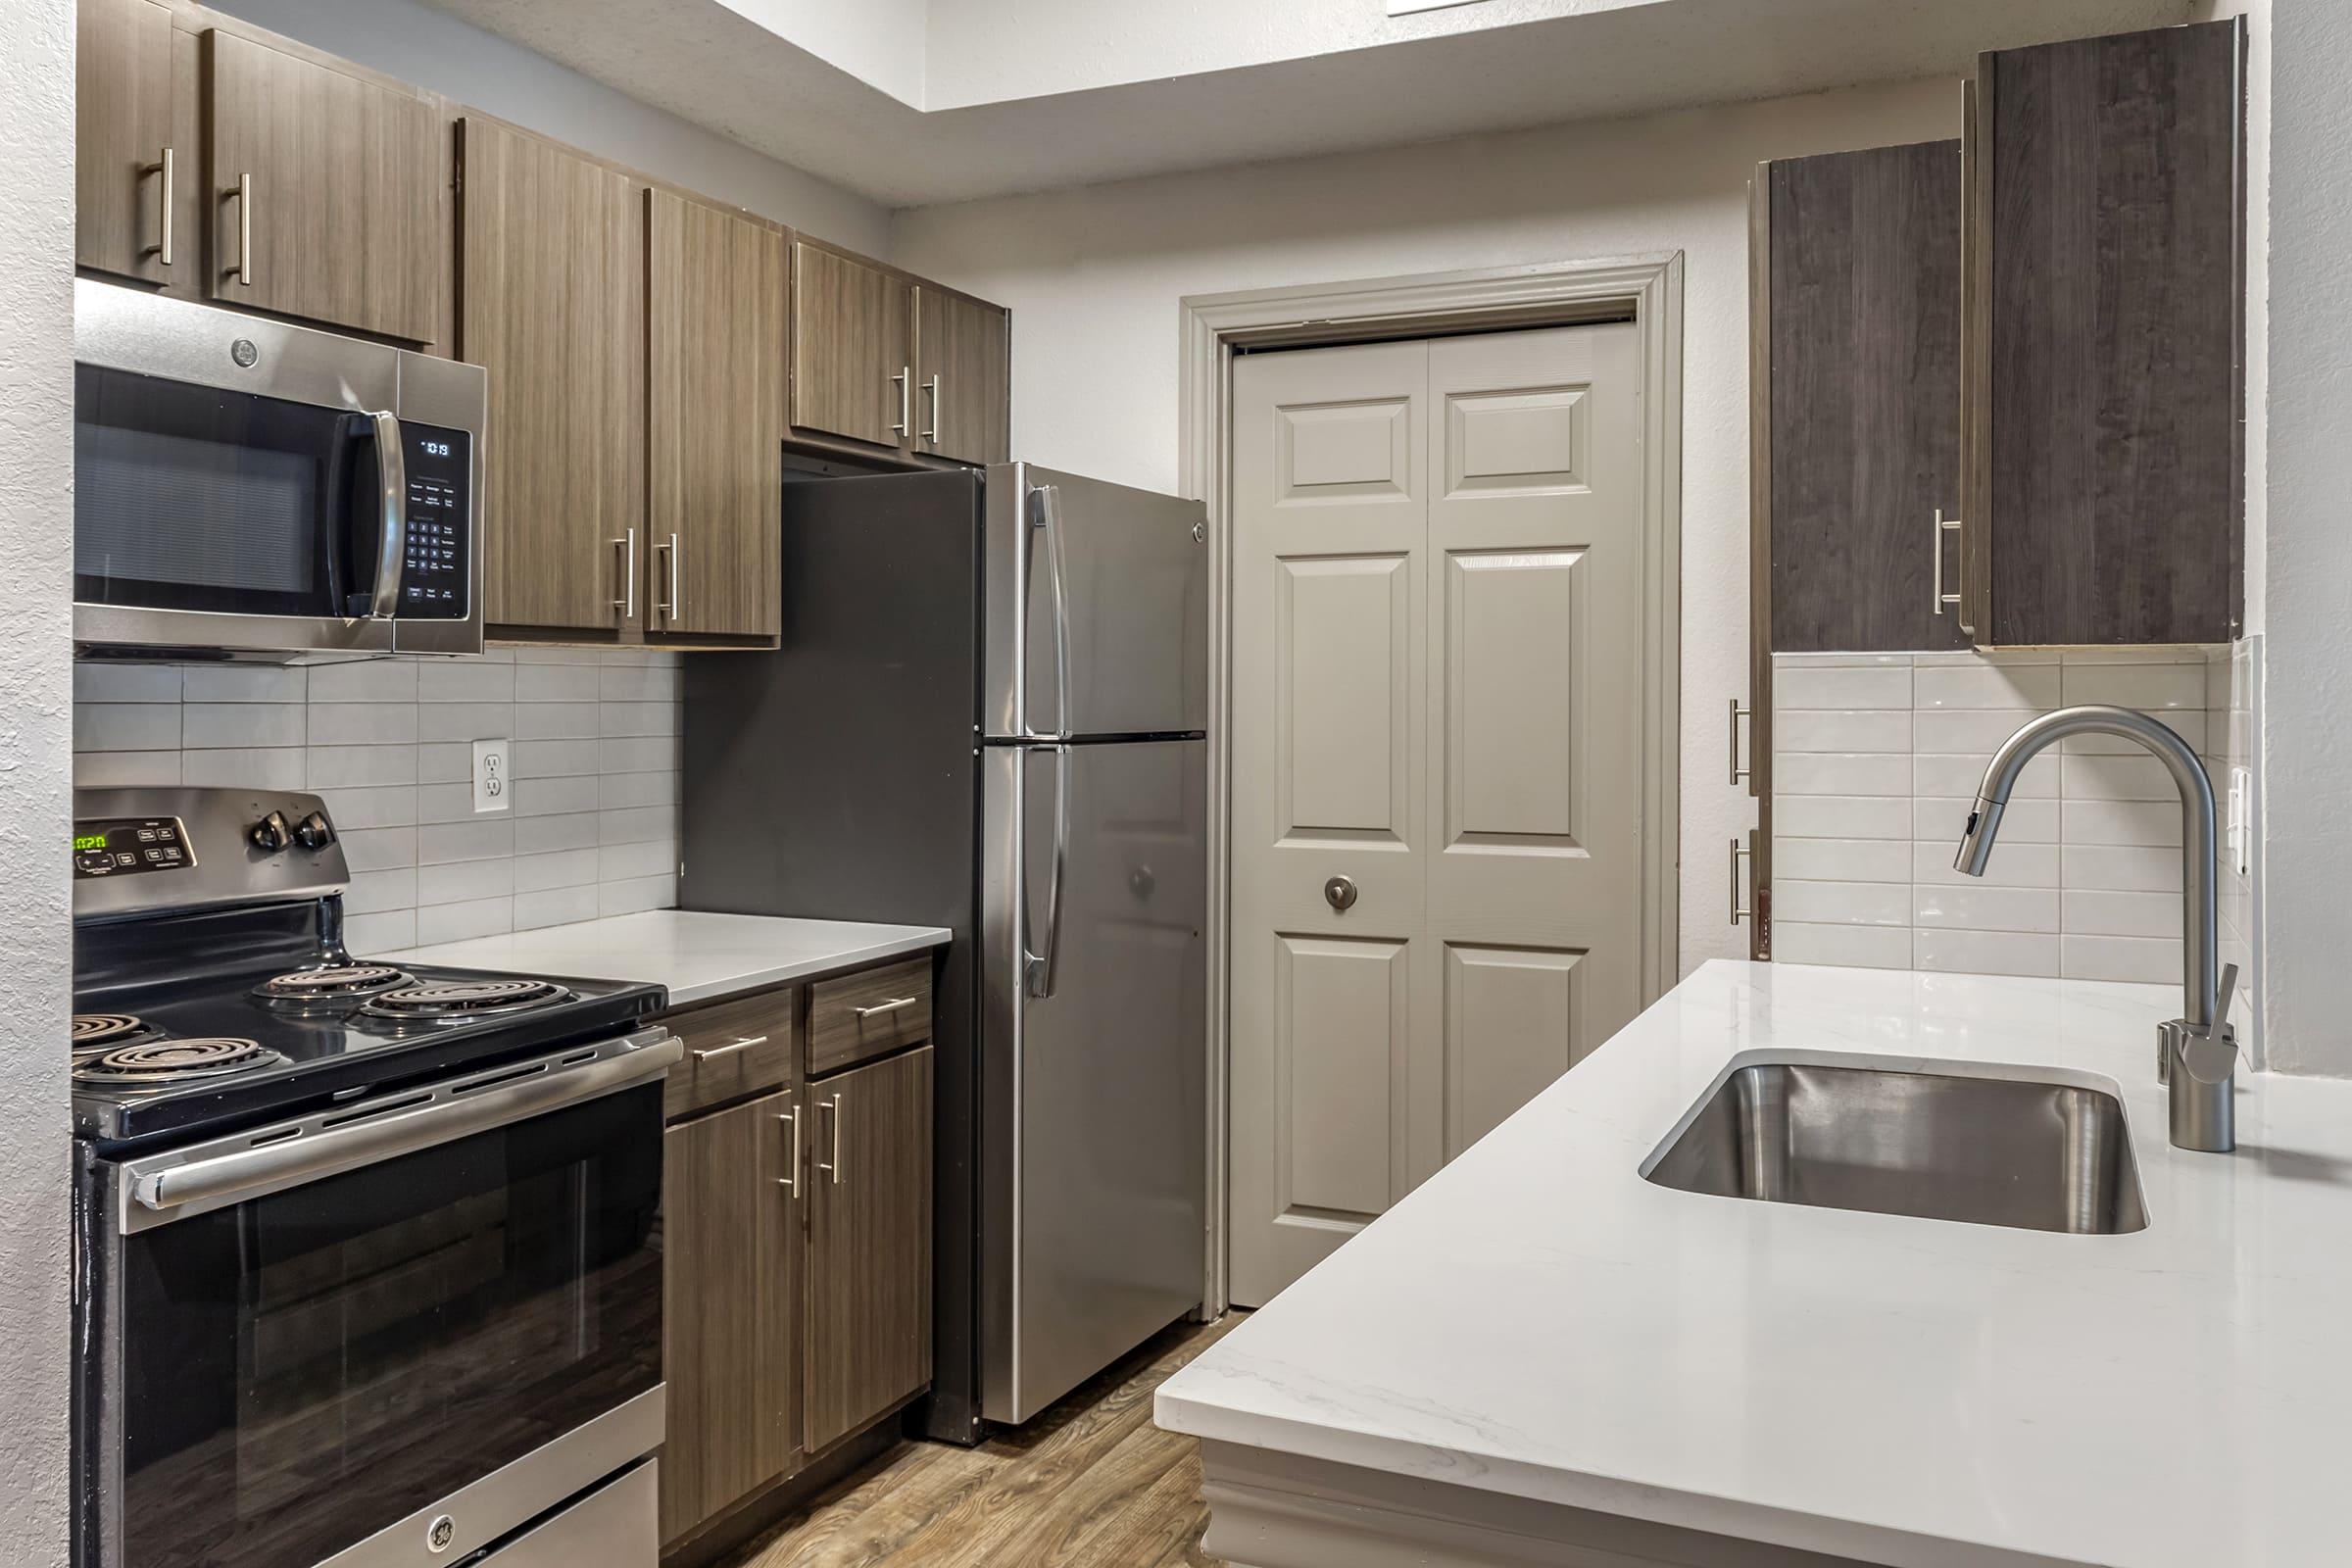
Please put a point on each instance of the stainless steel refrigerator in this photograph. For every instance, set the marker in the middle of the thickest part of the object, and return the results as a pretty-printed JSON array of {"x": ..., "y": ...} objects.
[{"x": 989, "y": 712}]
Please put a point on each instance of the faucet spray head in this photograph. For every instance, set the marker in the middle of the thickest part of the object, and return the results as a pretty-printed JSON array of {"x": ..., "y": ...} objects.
[{"x": 1976, "y": 840}]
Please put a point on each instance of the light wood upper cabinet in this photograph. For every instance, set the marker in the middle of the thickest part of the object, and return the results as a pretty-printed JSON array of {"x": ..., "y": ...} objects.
[
  {"x": 868, "y": 1338},
  {"x": 963, "y": 376},
  {"x": 326, "y": 193},
  {"x": 852, "y": 350},
  {"x": 716, "y": 349},
  {"x": 732, "y": 1256},
  {"x": 551, "y": 270},
  {"x": 125, "y": 166}
]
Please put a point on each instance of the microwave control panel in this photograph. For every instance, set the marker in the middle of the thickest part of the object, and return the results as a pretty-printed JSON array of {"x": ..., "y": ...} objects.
[
  {"x": 438, "y": 579},
  {"x": 125, "y": 845}
]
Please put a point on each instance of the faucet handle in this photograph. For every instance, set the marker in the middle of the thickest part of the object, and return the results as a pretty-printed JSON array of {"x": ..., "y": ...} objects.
[{"x": 2210, "y": 1053}]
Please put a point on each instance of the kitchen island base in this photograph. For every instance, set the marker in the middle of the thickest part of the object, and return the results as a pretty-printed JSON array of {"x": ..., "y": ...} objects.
[{"x": 1277, "y": 1510}]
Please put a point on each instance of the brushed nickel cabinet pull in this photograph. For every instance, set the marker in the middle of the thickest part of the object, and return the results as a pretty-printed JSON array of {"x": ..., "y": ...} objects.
[
  {"x": 931, "y": 387},
  {"x": 834, "y": 1106},
  {"x": 627, "y": 600},
  {"x": 1737, "y": 714},
  {"x": 892, "y": 1005},
  {"x": 162, "y": 249},
  {"x": 1944, "y": 525},
  {"x": 243, "y": 270},
  {"x": 669, "y": 607},
  {"x": 905, "y": 382},
  {"x": 792, "y": 1183},
  {"x": 745, "y": 1044},
  {"x": 1737, "y": 913}
]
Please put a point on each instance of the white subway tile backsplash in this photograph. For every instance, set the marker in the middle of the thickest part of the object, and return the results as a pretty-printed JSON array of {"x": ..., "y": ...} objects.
[
  {"x": 1869, "y": 803},
  {"x": 1869, "y": 947},
  {"x": 2089, "y": 913},
  {"x": 373, "y": 681},
  {"x": 1842, "y": 687},
  {"x": 2122, "y": 822},
  {"x": 1987, "y": 686},
  {"x": 1841, "y": 817},
  {"x": 1984, "y": 951},
  {"x": 282, "y": 767},
  {"x": 2142, "y": 686},
  {"x": 591, "y": 825},
  {"x": 125, "y": 726},
  {"x": 2139, "y": 959},
  {"x": 245, "y": 683},
  {"x": 1841, "y": 773},
  {"x": 1841, "y": 859},
  {"x": 463, "y": 922},
  {"x": 218, "y": 725},
  {"x": 1810, "y": 731},
  {"x": 1971, "y": 906},
  {"x": 1838, "y": 903},
  {"x": 363, "y": 723}
]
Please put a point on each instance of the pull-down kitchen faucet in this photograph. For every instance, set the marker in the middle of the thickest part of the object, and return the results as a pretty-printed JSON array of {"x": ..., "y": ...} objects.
[{"x": 2196, "y": 1053}]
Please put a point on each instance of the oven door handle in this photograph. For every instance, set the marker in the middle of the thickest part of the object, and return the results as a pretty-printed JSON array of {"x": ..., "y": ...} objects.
[
  {"x": 392, "y": 469},
  {"x": 170, "y": 1186}
]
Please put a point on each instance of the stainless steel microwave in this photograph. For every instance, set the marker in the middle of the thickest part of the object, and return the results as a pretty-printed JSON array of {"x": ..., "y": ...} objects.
[{"x": 249, "y": 488}]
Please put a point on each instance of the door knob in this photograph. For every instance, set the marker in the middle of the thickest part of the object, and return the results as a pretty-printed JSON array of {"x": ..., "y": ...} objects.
[{"x": 1340, "y": 894}]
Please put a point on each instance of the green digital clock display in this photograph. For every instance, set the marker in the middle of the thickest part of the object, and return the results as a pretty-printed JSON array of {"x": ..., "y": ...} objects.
[{"x": 89, "y": 840}]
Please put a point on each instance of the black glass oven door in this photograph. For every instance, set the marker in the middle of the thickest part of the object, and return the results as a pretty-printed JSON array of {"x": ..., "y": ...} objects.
[
  {"x": 301, "y": 1369},
  {"x": 193, "y": 498}
]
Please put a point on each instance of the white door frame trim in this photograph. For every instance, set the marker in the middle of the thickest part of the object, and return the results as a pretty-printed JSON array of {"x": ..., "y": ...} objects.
[{"x": 1646, "y": 289}]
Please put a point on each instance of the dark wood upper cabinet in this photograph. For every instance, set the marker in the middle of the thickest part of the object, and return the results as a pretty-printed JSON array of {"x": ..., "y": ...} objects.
[
  {"x": 731, "y": 1202},
  {"x": 126, "y": 167},
  {"x": 868, "y": 1341},
  {"x": 717, "y": 350},
  {"x": 2106, "y": 450},
  {"x": 1857, "y": 431},
  {"x": 853, "y": 348},
  {"x": 963, "y": 376},
  {"x": 328, "y": 192},
  {"x": 552, "y": 304}
]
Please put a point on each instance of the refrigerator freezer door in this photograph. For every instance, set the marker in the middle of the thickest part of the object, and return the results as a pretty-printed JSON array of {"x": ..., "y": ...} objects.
[
  {"x": 1098, "y": 608},
  {"x": 1092, "y": 1195}
]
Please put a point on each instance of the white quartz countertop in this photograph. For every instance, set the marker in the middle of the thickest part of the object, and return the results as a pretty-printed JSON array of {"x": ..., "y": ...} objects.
[
  {"x": 1537, "y": 1320},
  {"x": 697, "y": 957}
]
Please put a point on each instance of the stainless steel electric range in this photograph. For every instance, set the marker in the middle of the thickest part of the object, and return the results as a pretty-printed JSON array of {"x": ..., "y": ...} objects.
[{"x": 369, "y": 1260}]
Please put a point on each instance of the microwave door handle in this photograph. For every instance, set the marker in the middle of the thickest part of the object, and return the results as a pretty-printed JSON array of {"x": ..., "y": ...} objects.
[
  {"x": 392, "y": 469},
  {"x": 1043, "y": 966},
  {"x": 1047, "y": 499}
]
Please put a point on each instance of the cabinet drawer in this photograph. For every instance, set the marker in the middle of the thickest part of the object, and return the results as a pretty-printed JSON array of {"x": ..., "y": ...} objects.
[
  {"x": 865, "y": 1015},
  {"x": 738, "y": 1047}
]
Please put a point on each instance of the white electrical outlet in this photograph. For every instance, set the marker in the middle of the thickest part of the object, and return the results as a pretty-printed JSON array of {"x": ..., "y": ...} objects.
[{"x": 490, "y": 778}]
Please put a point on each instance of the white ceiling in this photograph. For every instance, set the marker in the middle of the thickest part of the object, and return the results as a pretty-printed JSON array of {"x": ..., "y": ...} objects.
[{"x": 914, "y": 102}]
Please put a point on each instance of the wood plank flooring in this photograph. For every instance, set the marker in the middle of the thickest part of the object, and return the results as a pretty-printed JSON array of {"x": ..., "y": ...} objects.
[{"x": 1090, "y": 1484}]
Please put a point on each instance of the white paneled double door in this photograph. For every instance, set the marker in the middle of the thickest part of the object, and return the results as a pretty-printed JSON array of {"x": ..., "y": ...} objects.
[{"x": 1437, "y": 759}]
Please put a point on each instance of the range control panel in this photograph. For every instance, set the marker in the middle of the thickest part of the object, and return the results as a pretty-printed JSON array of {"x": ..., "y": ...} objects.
[
  {"x": 438, "y": 577},
  {"x": 128, "y": 846}
]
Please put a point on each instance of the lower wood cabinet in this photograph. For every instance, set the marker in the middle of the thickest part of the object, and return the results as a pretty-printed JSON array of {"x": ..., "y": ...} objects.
[
  {"x": 732, "y": 1258},
  {"x": 795, "y": 1236},
  {"x": 869, "y": 1332}
]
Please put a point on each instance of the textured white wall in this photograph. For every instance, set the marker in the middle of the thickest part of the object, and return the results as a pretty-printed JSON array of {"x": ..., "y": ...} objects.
[
  {"x": 37, "y": 964},
  {"x": 1094, "y": 276},
  {"x": 2307, "y": 730},
  {"x": 415, "y": 43}
]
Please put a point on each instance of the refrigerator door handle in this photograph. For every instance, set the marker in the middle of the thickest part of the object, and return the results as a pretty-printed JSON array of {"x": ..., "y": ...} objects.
[
  {"x": 1041, "y": 966},
  {"x": 1046, "y": 505}
]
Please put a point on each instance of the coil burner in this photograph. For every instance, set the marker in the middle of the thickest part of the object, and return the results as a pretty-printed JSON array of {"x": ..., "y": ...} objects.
[
  {"x": 464, "y": 1000},
  {"x": 308, "y": 990},
  {"x": 170, "y": 1061}
]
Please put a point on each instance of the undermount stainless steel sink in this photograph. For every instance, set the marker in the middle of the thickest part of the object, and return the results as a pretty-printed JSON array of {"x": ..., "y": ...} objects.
[{"x": 2016, "y": 1151}]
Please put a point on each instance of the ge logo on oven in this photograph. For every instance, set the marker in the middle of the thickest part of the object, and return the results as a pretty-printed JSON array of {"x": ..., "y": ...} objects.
[{"x": 440, "y": 1533}]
